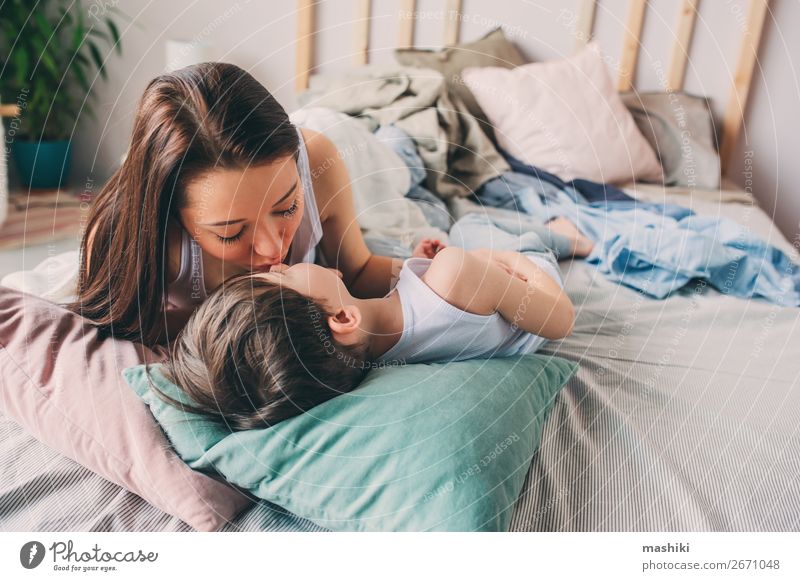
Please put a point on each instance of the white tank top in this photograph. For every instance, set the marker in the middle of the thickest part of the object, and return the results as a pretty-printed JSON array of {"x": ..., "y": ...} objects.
[
  {"x": 309, "y": 233},
  {"x": 434, "y": 330}
]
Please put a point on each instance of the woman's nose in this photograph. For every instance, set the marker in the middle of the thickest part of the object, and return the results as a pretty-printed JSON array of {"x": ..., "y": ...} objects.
[{"x": 267, "y": 245}]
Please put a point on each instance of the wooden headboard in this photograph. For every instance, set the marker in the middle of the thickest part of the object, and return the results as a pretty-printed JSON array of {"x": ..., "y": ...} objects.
[{"x": 683, "y": 32}]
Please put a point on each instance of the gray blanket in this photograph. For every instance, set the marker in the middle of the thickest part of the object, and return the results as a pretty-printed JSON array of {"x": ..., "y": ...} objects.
[{"x": 457, "y": 154}]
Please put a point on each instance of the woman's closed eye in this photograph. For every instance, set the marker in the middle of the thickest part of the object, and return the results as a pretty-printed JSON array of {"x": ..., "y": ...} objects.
[
  {"x": 231, "y": 239},
  {"x": 289, "y": 212}
]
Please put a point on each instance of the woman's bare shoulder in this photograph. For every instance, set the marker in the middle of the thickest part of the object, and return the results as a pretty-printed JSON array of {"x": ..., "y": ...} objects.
[
  {"x": 313, "y": 139},
  {"x": 327, "y": 169},
  {"x": 322, "y": 153}
]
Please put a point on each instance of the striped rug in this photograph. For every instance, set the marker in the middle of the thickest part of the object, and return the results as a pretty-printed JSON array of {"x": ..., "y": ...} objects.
[{"x": 42, "y": 217}]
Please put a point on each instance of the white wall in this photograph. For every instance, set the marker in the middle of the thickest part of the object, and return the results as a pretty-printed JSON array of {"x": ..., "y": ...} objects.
[{"x": 260, "y": 37}]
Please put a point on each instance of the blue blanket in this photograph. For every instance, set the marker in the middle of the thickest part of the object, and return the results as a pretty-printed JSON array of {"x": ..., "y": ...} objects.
[{"x": 657, "y": 248}]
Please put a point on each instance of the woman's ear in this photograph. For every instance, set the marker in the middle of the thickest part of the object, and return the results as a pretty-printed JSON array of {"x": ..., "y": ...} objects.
[{"x": 344, "y": 324}]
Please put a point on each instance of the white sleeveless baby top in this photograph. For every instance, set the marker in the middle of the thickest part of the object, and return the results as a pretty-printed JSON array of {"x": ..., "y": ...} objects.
[{"x": 434, "y": 330}]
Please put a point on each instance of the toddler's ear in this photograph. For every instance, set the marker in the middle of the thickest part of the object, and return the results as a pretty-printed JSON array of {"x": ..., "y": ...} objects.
[{"x": 345, "y": 322}]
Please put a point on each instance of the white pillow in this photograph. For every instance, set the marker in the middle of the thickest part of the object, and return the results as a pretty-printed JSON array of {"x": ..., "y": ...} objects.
[{"x": 566, "y": 118}]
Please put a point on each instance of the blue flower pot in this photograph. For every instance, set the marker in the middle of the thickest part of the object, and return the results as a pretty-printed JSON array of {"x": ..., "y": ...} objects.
[{"x": 44, "y": 165}]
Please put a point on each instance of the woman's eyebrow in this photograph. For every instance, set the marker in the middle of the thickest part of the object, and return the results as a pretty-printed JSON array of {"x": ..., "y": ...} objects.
[
  {"x": 287, "y": 194},
  {"x": 225, "y": 223},
  {"x": 228, "y": 222}
]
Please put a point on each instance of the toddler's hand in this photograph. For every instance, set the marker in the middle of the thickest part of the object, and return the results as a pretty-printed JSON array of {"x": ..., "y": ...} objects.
[{"x": 427, "y": 248}]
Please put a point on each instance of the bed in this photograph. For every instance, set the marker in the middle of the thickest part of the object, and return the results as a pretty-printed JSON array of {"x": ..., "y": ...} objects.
[{"x": 683, "y": 415}]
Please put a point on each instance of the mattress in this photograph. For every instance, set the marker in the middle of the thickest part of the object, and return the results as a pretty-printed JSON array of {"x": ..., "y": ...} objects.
[{"x": 683, "y": 416}]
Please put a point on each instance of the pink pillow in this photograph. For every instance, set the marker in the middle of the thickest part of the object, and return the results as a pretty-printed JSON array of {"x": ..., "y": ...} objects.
[
  {"x": 566, "y": 118},
  {"x": 64, "y": 385}
]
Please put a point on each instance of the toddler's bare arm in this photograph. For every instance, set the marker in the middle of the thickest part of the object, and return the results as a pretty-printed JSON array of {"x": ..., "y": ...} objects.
[{"x": 484, "y": 282}]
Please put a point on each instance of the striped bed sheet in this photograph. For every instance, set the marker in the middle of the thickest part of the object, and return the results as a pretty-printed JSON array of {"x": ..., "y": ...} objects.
[{"x": 684, "y": 416}]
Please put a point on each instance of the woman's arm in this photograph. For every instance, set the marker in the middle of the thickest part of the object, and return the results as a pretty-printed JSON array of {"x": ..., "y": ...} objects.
[
  {"x": 366, "y": 275},
  {"x": 477, "y": 284}
]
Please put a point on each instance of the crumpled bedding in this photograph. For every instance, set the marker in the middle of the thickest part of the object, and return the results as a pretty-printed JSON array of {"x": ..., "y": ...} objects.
[
  {"x": 457, "y": 153},
  {"x": 657, "y": 248},
  {"x": 54, "y": 279},
  {"x": 379, "y": 178}
]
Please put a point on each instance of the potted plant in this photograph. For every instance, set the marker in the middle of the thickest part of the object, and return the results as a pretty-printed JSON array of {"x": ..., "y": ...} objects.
[{"x": 52, "y": 57}]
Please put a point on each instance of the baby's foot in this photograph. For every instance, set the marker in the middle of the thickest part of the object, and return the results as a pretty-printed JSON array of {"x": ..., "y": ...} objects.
[{"x": 581, "y": 245}]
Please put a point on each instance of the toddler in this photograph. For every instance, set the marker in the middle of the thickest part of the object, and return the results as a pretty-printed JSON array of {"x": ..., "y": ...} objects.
[{"x": 269, "y": 346}]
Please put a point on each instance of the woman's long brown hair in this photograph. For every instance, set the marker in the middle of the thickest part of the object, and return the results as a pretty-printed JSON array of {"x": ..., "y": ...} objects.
[{"x": 203, "y": 117}]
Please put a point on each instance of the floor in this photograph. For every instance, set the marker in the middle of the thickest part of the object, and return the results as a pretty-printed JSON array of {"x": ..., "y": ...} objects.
[{"x": 26, "y": 258}]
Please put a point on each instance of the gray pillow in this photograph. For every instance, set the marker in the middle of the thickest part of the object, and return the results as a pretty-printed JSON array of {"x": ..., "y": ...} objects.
[
  {"x": 492, "y": 50},
  {"x": 680, "y": 128}
]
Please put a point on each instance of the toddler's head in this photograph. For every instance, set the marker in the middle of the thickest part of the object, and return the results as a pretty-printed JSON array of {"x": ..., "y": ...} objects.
[{"x": 257, "y": 352}]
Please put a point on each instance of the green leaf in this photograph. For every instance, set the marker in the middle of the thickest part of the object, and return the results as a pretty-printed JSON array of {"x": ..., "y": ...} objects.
[
  {"x": 50, "y": 64},
  {"x": 21, "y": 62},
  {"x": 98, "y": 59},
  {"x": 80, "y": 32},
  {"x": 82, "y": 81},
  {"x": 66, "y": 17},
  {"x": 44, "y": 25},
  {"x": 100, "y": 33},
  {"x": 38, "y": 43},
  {"x": 115, "y": 35},
  {"x": 80, "y": 57},
  {"x": 43, "y": 56},
  {"x": 90, "y": 111}
]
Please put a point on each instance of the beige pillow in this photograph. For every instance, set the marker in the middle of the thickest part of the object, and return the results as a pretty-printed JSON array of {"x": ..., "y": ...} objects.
[
  {"x": 491, "y": 50},
  {"x": 565, "y": 117}
]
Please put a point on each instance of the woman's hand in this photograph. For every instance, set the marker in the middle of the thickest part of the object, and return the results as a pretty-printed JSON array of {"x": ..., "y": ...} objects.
[{"x": 427, "y": 248}]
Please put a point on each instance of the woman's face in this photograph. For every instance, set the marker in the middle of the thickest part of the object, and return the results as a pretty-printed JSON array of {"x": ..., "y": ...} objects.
[{"x": 246, "y": 218}]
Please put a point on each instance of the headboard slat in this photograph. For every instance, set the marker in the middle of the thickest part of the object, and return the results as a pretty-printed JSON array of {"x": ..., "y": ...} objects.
[
  {"x": 630, "y": 46},
  {"x": 683, "y": 42},
  {"x": 361, "y": 35},
  {"x": 305, "y": 43},
  {"x": 585, "y": 26},
  {"x": 686, "y": 23},
  {"x": 734, "y": 112},
  {"x": 405, "y": 37},
  {"x": 452, "y": 22}
]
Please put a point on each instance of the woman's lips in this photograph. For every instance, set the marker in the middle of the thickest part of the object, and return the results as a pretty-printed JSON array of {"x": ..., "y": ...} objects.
[{"x": 270, "y": 267}]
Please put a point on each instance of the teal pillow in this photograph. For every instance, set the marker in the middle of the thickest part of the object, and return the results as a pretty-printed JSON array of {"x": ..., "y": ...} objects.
[{"x": 414, "y": 448}]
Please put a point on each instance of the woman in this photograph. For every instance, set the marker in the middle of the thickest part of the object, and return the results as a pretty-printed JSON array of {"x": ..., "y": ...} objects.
[{"x": 216, "y": 182}]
